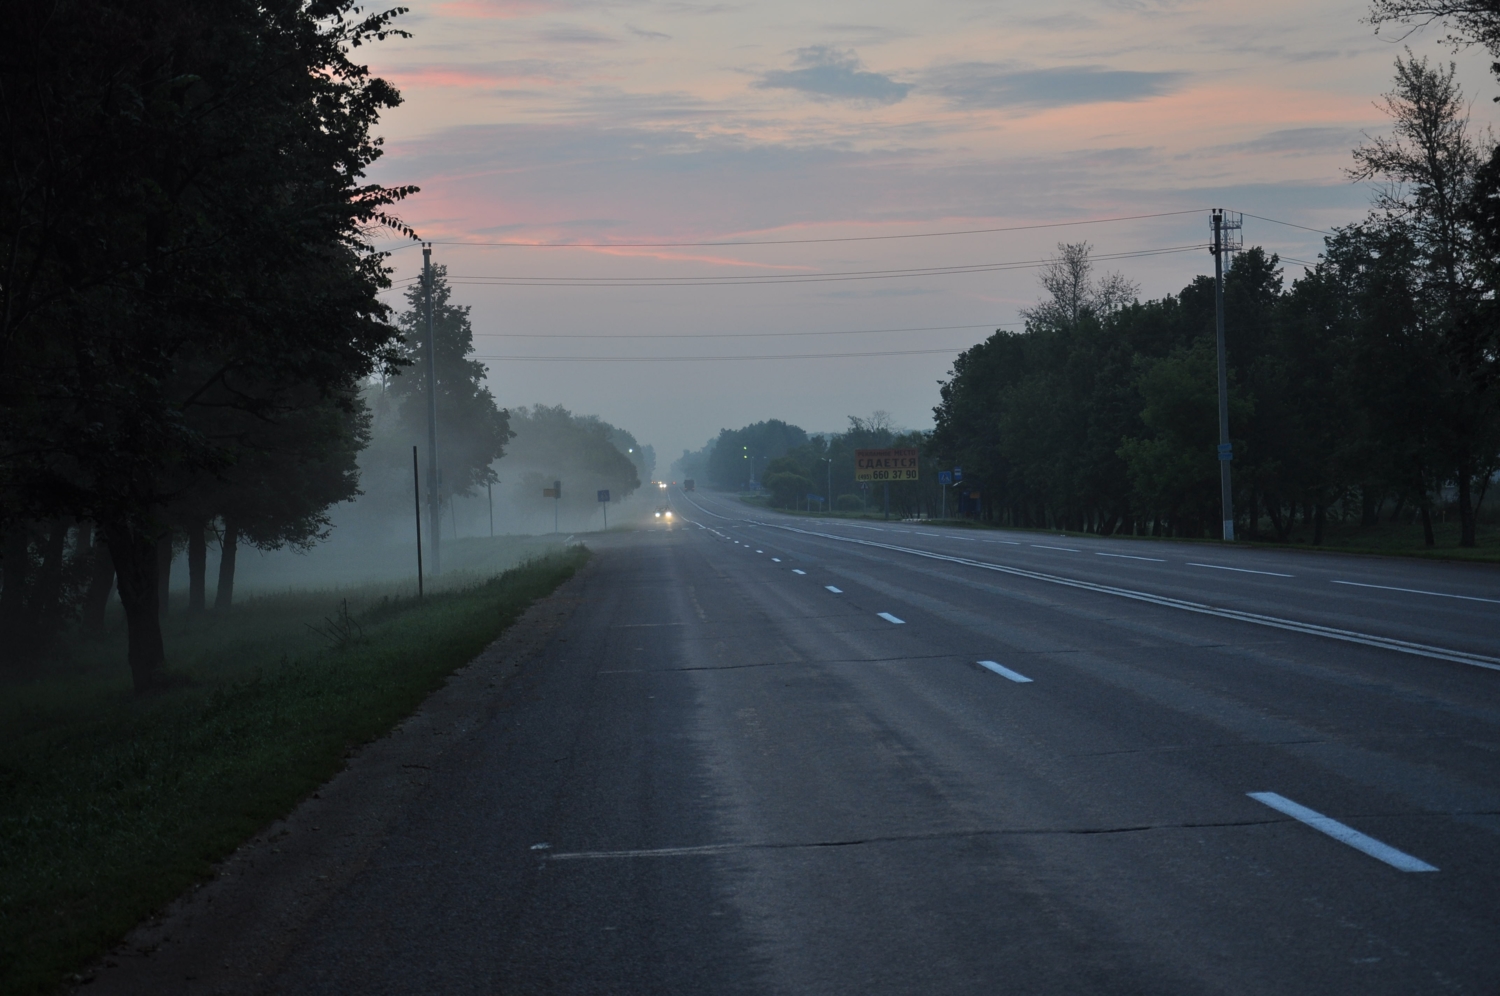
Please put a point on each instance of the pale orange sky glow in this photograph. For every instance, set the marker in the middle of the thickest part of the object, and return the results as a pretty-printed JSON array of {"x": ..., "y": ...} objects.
[{"x": 609, "y": 122}]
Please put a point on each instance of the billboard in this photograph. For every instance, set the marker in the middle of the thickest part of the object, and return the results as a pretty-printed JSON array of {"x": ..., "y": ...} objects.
[{"x": 885, "y": 465}]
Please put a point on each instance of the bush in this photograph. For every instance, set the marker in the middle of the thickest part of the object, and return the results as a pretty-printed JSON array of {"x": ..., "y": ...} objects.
[
  {"x": 850, "y": 503},
  {"x": 787, "y": 489}
]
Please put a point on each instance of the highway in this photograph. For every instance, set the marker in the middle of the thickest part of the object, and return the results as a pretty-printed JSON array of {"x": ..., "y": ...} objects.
[{"x": 792, "y": 755}]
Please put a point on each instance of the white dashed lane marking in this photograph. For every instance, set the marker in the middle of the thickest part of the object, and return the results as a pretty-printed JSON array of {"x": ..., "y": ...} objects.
[
  {"x": 1005, "y": 672},
  {"x": 836, "y": 591},
  {"x": 891, "y": 619},
  {"x": 1242, "y": 570},
  {"x": 1418, "y": 591},
  {"x": 1378, "y": 850},
  {"x": 795, "y": 571}
]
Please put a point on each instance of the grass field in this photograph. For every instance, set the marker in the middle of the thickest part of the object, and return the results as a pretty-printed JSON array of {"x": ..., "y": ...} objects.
[{"x": 112, "y": 804}]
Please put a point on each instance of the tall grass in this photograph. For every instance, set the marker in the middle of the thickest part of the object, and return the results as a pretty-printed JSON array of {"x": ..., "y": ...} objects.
[{"x": 112, "y": 804}]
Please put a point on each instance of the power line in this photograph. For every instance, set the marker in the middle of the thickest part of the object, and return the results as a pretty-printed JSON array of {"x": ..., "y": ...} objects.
[
  {"x": 687, "y": 359},
  {"x": 1288, "y": 224},
  {"x": 722, "y": 280},
  {"x": 791, "y": 242},
  {"x": 727, "y": 335}
]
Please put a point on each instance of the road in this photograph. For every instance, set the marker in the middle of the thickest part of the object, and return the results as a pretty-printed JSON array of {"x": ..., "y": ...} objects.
[{"x": 798, "y": 756}]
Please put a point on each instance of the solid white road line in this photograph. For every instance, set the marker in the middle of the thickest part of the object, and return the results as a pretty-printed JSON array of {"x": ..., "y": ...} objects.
[
  {"x": 1126, "y": 556},
  {"x": 1064, "y": 549},
  {"x": 1290, "y": 625},
  {"x": 891, "y": 619},
  {"x": 1418, "y": 591},
  {"x": 1399, "y": 860},
  {"x": 1242, "y": 570},
  {"x": 831, "y": 588},
  {"x": 1004, "y": 671},
  {"x": 795, "y": 571}
]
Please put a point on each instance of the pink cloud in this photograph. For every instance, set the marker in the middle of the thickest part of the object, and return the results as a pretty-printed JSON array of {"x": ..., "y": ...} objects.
[
  {"x": 448, "y": 75},
  {"x": 497, "y": 9}
]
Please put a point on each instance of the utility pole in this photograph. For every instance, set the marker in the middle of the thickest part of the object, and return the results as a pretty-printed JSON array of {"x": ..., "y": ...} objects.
[
  {"x": 416, "y": 490},
  {"x": 453, "y": 514},
  {"x": 1226, "y": 231},
  {"x": 490, "y": 494},
  {"x": 433, "y": 498}
]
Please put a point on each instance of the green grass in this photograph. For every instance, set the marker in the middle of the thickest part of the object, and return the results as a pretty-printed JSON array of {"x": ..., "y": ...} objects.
[
  {"x": 1388, "y": 539},
  {"x": 113, "y": 804}
]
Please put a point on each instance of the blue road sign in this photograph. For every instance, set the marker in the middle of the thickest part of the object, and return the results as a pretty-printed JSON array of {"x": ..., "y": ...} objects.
[
  {"x": 816, "y": 498},
  {"x": 945, "y": 477},
  {"x": 958, "y": 474},
  {"x": 604, "y": 496}
]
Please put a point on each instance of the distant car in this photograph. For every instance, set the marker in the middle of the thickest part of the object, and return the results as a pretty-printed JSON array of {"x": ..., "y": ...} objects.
[
  {"x": 687, "y": 485},
  {"x": 664, "y": 513}
]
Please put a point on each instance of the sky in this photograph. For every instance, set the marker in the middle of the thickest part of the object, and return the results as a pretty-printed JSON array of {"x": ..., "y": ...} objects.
[{"x": 821, "y": 125}]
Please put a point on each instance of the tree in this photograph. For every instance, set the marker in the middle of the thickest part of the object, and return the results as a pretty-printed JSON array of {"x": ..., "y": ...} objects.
[
  {"x": 1475, "y": 22},
  {"x": 472, "y": 428},
  {"x": 185, "y": 214},
  {"x": 740, "y": 455},
  {"x": 553, "y": 444},
  {"x": 1430, "y": 165}
]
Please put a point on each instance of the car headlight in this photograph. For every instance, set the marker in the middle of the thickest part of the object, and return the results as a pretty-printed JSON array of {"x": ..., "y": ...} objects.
[
  {"x": 668, "y": 514},
  {"x": 658, "y": 515}
]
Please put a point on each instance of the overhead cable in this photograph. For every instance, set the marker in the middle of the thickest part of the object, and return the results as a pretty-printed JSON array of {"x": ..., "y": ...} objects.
[
  {"x": 727, "y": 335},
  {"x": 730, "y": 280},
  {"x": 1288, "y": 224},
  {"x": 686, "y": 359},
  {"x": 791, "y": 242}
]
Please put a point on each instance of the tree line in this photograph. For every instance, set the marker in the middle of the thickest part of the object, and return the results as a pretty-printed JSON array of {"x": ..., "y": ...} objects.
[
  {"x": 1366, "y": 387},
  {"x": 1368, "y": 384},
  {"x": 790, "y": 465},
  {"x": 188, "y": 297}
]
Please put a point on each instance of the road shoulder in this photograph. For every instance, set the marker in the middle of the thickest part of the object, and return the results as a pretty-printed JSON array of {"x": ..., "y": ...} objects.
[{"x": 236, "y": 929}]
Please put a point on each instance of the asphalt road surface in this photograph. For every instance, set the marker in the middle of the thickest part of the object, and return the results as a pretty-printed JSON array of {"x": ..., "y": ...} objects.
[{"x": 799, "y": 756}]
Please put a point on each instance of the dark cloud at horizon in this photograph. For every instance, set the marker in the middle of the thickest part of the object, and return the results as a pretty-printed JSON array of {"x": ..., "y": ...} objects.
[
  {"x": 1000, "y": 85},
  {"x": 828, "y": 73}
]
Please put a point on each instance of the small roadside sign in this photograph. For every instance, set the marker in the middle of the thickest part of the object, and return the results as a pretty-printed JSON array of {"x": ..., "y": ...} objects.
[
  {"x": 885, "y": 465},
  {"x": 945, "y": 477},
  {"x": 549, "y": 492},
  {"x": 958, "y": 474},
  {"x": 604, "y": 495}
]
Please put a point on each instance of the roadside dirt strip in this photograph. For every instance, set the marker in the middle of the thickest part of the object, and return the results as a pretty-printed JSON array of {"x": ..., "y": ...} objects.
[{"x": 232, "y": 932}]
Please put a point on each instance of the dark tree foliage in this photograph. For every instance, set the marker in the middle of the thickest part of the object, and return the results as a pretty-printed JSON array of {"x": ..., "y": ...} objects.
[
  {"x": 1340, "y": 388},
  {"x": 184, "y": 216},
  {"x": 584, "y": 452},
  {"x": 472, "y": 428},
  {"x": 741, "y": 455}
]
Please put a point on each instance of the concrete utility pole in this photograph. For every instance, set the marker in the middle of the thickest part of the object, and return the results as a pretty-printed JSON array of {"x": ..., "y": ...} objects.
[
  {"x": 416, "y": 491},
  {"x": 434, "y": 500},
  {"x": 1226, "y": 449}
]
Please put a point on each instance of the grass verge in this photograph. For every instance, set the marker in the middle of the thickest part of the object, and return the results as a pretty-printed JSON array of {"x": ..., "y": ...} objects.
[{"x": 112, "y": 804}]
